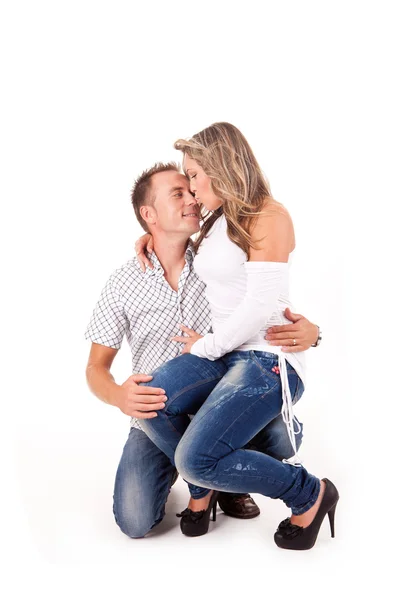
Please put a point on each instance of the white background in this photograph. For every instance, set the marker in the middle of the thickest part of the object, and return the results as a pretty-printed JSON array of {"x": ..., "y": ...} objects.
[{"x": 94, "y": 92}]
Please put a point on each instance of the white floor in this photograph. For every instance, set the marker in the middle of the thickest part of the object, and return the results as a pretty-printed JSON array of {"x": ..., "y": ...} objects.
[{"x": 65, "y": 541}]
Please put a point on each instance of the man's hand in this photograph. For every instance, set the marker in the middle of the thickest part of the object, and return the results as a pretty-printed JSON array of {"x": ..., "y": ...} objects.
[
  {"x": 144, "y": 243},
  {"x": 138, "y": 400},
  {"x": 301, "y": 330},
  {"x": 188, "y": 340}
]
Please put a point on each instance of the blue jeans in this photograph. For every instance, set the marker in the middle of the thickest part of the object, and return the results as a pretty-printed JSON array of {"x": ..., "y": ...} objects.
[
  {"x": 244, "y": 397},
  {"x": 145, "y": 473},
  {"x": 142, "y": 485}
]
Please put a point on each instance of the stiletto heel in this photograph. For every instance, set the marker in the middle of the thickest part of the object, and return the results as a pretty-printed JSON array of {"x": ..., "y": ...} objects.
[
  {"x": 293, "y": 537},
  {"x": 195, "y": 523},
  {"x": 331, "y": 515}
]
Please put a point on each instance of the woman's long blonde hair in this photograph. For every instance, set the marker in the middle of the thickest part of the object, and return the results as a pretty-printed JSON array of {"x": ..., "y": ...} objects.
[{"x": 236, "y": 178}]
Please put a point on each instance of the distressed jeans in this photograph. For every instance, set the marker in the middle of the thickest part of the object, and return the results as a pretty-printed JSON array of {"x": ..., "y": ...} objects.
[
  {"x": 142, "y": 484},
  {"x": 213, "y": 451}
]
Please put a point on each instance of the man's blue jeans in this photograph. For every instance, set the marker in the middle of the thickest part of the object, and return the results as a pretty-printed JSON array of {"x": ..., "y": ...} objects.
[
  {"x": 142, "y": 484},
  {"x": 244, "y": 395}
]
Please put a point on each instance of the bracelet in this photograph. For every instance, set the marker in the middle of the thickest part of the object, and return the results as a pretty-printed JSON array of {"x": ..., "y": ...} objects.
[{"x": 319, "y": 338}]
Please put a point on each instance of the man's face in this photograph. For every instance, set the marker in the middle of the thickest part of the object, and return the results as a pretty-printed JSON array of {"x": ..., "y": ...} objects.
[{"x": 174, "y": 210}]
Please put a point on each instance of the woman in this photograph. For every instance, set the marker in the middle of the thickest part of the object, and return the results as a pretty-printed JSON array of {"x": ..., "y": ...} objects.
[{"x": 243, "y": 254}]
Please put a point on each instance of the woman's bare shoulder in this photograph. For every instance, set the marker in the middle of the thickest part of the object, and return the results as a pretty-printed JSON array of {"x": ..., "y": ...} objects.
[
  {"x": 273, "y": 215},
  {"x": 273, "y": 207},
  {"x": 274, "y": 227}
]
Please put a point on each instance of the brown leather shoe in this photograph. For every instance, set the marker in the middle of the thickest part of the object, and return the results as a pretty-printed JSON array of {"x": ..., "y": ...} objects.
[{"x": 240, "y": 506}]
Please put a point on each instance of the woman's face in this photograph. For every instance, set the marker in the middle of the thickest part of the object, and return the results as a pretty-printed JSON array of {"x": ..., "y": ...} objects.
[{"x": 200, "y": 184}]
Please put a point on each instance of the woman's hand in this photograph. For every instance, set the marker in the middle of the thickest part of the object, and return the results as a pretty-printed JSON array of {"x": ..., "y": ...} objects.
[
  {"x": 144, "y": 243},
  {"x": 188, "y": 341}
]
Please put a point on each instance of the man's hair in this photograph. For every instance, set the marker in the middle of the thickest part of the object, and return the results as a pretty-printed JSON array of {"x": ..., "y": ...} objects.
[{"x": 141, "y": 192}]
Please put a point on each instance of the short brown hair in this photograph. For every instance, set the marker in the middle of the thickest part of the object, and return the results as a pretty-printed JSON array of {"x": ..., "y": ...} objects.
[{"x": 141, "y": 191}]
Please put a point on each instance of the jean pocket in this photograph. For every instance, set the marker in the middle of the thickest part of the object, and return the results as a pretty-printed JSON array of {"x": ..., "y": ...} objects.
[{"x": 267, "y": 363}]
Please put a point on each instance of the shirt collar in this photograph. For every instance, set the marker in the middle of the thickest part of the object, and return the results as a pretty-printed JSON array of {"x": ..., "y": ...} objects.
[
  {"x": 190, "y": 254},
  {"x": 158, "y": 271}
]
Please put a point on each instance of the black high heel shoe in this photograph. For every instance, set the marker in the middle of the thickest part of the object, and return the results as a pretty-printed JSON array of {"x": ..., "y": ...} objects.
[
  {"x": 293, "y": 537},
  {"x": 195, "y": 523}
]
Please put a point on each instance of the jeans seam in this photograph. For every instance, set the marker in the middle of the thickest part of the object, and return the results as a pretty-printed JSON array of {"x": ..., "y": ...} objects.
[
  {"x": 204, "y": 404},
  {"x": 160, "y": 510},
  {"x": 260, "y": 477},
  {"x": 291, "y": 370},
  {"x": 231, "y": 425},
  {"x": 260, "y": 366},
  {"x": 294, "y": 398},
  {"x": 309, "y": 504},
  {"x": 172, "y": 400},
  {"x": 193, "y": 386}
]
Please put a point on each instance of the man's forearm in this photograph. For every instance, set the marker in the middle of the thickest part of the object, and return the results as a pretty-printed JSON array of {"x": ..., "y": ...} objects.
[{"x": 102, "y": 383}]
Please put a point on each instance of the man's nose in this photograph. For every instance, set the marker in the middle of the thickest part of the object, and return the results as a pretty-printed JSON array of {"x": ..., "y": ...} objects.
[{"x": 190, "y": 199}]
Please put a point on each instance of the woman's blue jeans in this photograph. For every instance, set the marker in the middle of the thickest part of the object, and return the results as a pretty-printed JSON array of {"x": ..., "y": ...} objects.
[{"x": 243, "y": 396}]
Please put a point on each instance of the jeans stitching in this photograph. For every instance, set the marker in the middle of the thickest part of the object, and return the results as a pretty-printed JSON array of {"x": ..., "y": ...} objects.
[
  {"x": 191, "y": 387},
  {"x": 310, "y": 502},
  {"x": 250, "y": 406},
  {"x": 257, "y": 361},
  {"x": 169, "y": 403},
  {"x": 201, "y": 419},
  {"x": 240, "y": 475},
  {"x": 158, "y": 515}
]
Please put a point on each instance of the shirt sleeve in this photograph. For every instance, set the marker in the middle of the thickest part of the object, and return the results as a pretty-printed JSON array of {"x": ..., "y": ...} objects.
[
  {"x": 264, "y": 284},
  {"x": 109, "y": 323}
]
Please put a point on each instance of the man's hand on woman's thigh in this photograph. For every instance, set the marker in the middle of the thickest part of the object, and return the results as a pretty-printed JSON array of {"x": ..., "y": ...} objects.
[{"x": 139, "y": 401}]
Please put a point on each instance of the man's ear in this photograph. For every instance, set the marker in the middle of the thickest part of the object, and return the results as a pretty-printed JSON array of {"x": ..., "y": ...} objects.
[{"x": 148, "y": 214}]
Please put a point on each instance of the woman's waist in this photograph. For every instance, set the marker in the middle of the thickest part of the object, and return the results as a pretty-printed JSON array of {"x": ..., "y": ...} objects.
[
  {"x": 219, "y": 318},
  {"x": 297, "y": 360}
]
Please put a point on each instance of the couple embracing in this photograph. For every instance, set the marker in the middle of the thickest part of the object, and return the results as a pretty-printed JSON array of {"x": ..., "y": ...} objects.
[{"x": 218, "y": 356}]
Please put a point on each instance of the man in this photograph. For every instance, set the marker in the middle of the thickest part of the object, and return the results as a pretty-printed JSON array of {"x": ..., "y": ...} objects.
[{"x": 148, "y": 307}]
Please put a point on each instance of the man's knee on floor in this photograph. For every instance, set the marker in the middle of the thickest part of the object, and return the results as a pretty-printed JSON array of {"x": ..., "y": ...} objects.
[{"x": 135, "y": 526}]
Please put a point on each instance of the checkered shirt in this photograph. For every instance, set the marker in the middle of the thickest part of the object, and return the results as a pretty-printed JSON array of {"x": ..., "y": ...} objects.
[{"x": 145, "y": 308}]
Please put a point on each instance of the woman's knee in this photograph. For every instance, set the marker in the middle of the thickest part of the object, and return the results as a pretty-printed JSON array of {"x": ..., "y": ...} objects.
[{"x": 188, "y": 463}]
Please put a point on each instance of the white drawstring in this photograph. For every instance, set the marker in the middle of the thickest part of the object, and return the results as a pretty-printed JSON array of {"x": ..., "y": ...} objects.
[{"x": 288, "y": 415}]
